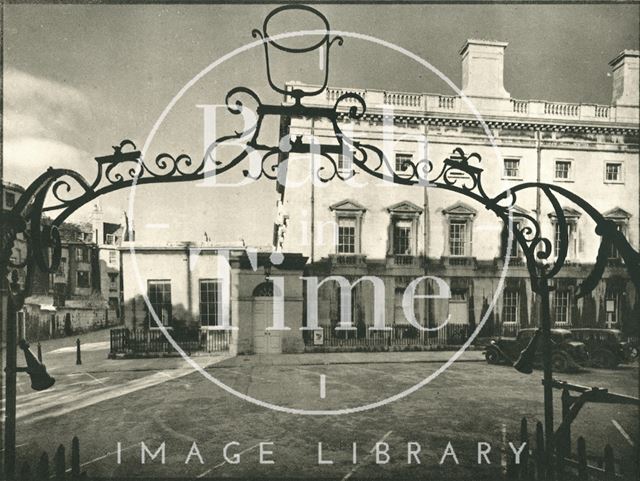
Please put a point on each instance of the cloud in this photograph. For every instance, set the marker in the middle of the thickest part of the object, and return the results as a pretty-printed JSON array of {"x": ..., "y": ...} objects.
[
  {"x": 36, "y": 106},
  {"x": 41, "y": 119},
  {"x": 45, "y": 123},
  {"x": 28, "y": 157}
]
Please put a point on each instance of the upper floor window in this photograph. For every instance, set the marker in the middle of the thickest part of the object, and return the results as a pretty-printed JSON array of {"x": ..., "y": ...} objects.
[
  {"x": 571, "y": 218},
  {"x": 82, "y": 254},
  {"x": 570, "y": 238},
  {"x": 403, "y": 239},
  {"x": 348, "y": 224},
  {"x": 403, "y": 162},
  {"x": 10, "y": 200},
  {"x": 613, "y": 172},
  {"x": 511, "y": 168},
  {"x": 82, "y": 278},
  {"x": 564, "y": 169},
  {"x": 562, "y": 306},
  {"x": 113, "y": 257},
  {"x": 518, "y": 219},
  {"x": 347, "y": 235},
  {"x": 458, "y": 238},
  {"x": 510, "y": 306},
  {"x": 512, "y": 249},
  {"x": 159, "y": 293},
  {"x": 110, "y": 239},
  {"x": 620, "y": 218},
  {"x": 460, "y": 218},
  {"x": 210, "y": 296},
  {"x": 613, "y": 252}
]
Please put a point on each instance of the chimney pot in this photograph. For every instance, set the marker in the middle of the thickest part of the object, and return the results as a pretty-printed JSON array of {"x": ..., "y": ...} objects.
[
  {"x": 483, "y": 69},
  {"x": 625, "y": 78}
]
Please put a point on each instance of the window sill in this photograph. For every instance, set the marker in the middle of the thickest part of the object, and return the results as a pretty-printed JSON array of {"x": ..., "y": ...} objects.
[
  {"x": 614, "y": 182},
  {"x": 563, "y": 180}
]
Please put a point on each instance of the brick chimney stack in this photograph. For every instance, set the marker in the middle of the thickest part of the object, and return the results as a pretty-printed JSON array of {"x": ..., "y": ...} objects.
[
  {"x": 483, "y": 69},
  {"x": 625, "y": 78}
]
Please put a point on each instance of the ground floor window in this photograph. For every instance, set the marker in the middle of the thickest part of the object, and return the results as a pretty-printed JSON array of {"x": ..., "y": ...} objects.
[
  {"x": 159, "y": 293},
  {"x": 510, "y": 306},
  {"x": 210, "y": 295},
  {"x": 562, "y": 307}
]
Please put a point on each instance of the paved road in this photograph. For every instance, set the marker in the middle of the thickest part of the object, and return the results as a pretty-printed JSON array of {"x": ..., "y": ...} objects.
[
  {"x": 469, "y": 403},
  {"x": 96, "y": 380}
]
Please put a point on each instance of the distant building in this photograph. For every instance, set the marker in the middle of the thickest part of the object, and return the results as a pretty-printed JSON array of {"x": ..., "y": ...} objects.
[
  {"x": 84, "y": 293},
  {"x": 108, "y": 237},
  {"x": 10, "y": 193}
]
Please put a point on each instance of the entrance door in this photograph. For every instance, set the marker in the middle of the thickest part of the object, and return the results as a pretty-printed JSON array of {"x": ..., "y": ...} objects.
[{"x": 265, "y": 341}]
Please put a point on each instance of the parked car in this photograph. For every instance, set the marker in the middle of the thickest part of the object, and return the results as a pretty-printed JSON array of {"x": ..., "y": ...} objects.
[
  {"x": 567, "y": 354},
  {"x": 606, "y": 347}
]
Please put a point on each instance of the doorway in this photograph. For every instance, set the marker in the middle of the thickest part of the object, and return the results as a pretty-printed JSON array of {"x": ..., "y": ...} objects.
[{"x": 265, "y": 341}]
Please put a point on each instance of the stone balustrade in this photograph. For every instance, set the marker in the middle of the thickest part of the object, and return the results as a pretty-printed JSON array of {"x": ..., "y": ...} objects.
[{"x": 406, "y": 102}]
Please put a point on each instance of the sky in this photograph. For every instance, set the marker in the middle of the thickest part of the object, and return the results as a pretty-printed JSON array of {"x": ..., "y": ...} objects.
[{"x": 80, "y": 78}]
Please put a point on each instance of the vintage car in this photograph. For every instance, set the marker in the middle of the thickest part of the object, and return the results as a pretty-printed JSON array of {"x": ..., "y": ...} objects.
[
  {"x": 567, "y": 353},
  {"x": 606, "y": 347}
]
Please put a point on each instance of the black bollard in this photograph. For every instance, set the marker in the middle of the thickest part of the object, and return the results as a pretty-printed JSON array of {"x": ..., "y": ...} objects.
[
  {"x": 78, "y": 358},
  {"x": 39, "y": 352}
]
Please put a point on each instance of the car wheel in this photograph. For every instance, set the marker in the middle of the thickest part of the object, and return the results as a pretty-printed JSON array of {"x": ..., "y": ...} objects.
[
  {"x": 559, "y": 361},
  {"x": 492, "y": 356},
  {"x": 633, "y": 353}
]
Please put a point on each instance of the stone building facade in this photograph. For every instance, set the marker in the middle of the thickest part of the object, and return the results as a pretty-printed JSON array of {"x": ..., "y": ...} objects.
[{"x": 364, "y": 226}]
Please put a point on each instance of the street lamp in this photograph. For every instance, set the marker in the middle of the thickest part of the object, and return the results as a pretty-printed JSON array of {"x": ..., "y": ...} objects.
[{"x": 40, "y": 378}]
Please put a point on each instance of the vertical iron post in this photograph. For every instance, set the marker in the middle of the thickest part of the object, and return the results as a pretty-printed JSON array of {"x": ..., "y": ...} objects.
[
  {"x": 548, "y": 373},
  {"x": 10, "y": 389}
]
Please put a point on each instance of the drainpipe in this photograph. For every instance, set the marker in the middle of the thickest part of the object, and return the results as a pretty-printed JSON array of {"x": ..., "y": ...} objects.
[{"x": 538, "y": 173}]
